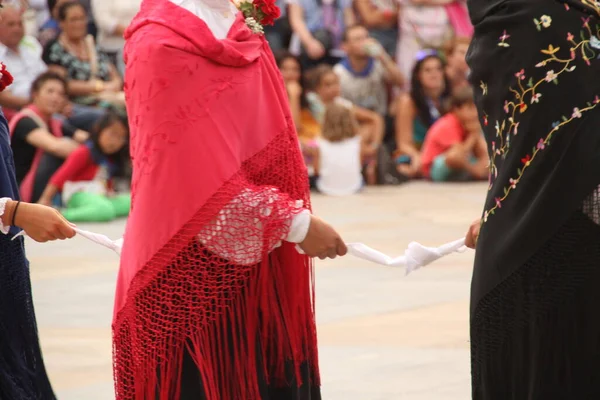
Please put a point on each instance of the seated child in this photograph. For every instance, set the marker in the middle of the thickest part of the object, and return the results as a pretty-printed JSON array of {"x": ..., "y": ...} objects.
[
  {"x": 85, "y": 177},
  {"x": 341, "y": 154},
  {"x": 454, "y": 148}
]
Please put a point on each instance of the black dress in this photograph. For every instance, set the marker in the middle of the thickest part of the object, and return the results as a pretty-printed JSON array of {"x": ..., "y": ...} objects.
[
  {"x": 535, "y": 325},
  {"x": 22, "y": 372}
]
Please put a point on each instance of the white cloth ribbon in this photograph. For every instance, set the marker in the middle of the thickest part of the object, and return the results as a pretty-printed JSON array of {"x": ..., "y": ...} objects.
[
  {"x": 415, "y": 256},
  {"x": 103, "y": 240}
]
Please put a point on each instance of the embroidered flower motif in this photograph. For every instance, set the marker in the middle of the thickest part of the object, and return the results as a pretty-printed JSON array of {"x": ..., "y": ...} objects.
[
  {"x": 503, "y": 39},
  {"x": 541, "y": 145},
  {"x": 586, "y": 22},
  {"x": 596, "y": 100},
  {"x": 546, "y": 21},
  {"x": 506, "y": 106},
  {"x": 570, "y": 37},
  {"x": 484, "y": 88},
  {"x": 485, "y": 120},
  {"x": 6, "y": 79},
  {"x": 522, "y": 107},
  {"x": 576, "y": 113},
  {"x": 498, "y": 202},
  {"x": 595, "y": 42},
  {"x": 550, "y": 76},
  {"x": 526, "y": 160},
  {"x": 516, "y": 128},
  {"x": 513, "y": 183},
  {"x": 521, "y": 74},
  {"x": 536, "y": 98},
  {"x": 550, "y": 50},
  {"x": 258, "y": 13}
]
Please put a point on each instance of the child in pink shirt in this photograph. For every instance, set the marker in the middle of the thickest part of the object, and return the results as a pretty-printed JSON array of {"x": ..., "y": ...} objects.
[{"x": 454, "y": 148}]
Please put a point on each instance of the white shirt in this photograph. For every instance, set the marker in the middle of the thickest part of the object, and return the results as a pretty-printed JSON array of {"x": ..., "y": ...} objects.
[
  {"x": 25, "y": 65},
  {"x": 339, "y": 167},
  {"x": 110, "y": 13},
  {"x": 219, "y": 16}
]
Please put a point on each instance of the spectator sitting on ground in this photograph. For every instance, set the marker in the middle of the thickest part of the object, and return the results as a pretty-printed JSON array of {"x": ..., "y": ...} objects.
[
  {"x": 418, "y": 110},
  {"x": 457, "y": 69},
  {"x": 366, "y": 71},
  {"x": 35, "y": 133},
  {"x": 92, "y": 78},
  {"x": 380, "y": 17},
  {"x": 112, "y": 18},
  {"x": 22, "y": 56},
  {"x": 455, "y": 149},
  {"x": 341, "y": 153},
  {"x": 324, "y": 87},
  {"x": 318, "y": 27},
  {"x": 307, "y": 127}
]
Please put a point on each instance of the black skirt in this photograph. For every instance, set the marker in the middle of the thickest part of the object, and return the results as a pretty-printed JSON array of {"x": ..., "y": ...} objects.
[
  {"x": 536, "y": 336},
  {"x": 192, "y": 388}
]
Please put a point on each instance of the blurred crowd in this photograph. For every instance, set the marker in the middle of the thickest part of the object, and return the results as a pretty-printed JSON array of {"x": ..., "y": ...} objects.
[{"x": 378, "y": 91}]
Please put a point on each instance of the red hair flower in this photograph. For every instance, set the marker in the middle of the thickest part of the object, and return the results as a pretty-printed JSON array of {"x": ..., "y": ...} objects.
[
  {"x": 5, "y": 77},
  {"x": 267, "y": 10},
  {"x": 258, "y": 13}
]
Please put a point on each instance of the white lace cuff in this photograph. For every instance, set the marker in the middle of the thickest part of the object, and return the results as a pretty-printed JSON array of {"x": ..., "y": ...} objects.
[
  {"x": 4, "y": 228},
  {"x": 299, "y": 227}
]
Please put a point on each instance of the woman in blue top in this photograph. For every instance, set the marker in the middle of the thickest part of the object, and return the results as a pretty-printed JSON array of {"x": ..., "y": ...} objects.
[
  {"x": 22, "y": 372},
  {"x": 418, "y": 109}
]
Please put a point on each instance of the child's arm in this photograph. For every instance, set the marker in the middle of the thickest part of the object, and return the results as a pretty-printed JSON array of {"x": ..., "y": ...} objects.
[
  {"x": 316, "y": 160},
  {"x": 78, "y": 160},
  {"x": 375, "y": 122}
]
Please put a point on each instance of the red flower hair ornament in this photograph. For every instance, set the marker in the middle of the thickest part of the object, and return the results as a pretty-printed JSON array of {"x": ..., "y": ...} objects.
[
  {"x": 5, "y": 77},
  {"x": 258, "y": 13}
]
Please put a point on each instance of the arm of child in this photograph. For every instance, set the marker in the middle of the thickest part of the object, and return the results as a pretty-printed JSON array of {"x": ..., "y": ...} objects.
[
  {"x": 316, "y": 160},
  {"x": 77, "y": 161},
  {"x": 374, "y": 135},
  {"x": 405, "y": 116}
]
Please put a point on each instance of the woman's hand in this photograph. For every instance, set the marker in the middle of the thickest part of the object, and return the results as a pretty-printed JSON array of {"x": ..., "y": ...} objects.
[
  {"x": 473, "y": 234},
  {"x": 113, "y": 86},
  {"x": 315, "y": 49},
  {"x": 45, "y": 202},
  {"x": 43, "y": 223},
  {"x": 322, "y": 240}
]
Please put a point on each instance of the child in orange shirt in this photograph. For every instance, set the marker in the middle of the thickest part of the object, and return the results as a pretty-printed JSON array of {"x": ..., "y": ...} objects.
[{"x": 454, "y": 148}]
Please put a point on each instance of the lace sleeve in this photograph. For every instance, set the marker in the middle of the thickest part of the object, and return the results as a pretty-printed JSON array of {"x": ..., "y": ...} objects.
[
  {"x": 230, "y": 237},
  {"x": 3, "y": 228}
]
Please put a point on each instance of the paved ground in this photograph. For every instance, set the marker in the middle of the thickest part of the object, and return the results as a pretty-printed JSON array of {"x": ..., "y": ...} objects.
[{"x": 383, "y": 336}]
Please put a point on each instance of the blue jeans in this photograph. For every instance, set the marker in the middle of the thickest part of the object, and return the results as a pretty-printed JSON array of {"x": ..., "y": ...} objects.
[{"x": 84, "y": 117}]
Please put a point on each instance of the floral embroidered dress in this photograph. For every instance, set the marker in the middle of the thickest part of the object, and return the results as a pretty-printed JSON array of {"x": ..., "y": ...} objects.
[{"x": 535, "y": 323}]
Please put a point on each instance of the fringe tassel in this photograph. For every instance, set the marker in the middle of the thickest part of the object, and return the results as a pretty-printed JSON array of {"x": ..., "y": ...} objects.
[{"x": 260, "y": 330}]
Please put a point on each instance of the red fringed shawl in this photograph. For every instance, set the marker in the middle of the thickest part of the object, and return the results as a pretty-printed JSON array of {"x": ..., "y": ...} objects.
[{"x": 217, "y": 175}]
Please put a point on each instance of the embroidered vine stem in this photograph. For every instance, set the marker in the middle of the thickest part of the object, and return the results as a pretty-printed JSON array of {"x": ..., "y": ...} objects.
[{"x": 585, "y": 47}]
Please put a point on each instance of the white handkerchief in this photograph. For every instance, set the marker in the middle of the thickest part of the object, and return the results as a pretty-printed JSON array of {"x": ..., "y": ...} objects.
[
  {"x": 115, "y": 245},
  {"x": 415, "y": 256}
]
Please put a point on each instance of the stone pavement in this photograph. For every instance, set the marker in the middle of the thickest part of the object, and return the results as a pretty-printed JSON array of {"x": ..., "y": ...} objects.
[{"x": 383, "y": 336}]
